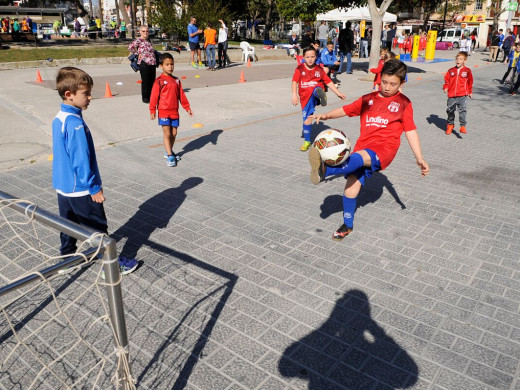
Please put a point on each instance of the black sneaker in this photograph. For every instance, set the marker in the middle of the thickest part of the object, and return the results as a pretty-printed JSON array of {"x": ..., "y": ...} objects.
[
  {"x": 317, "y": 166},
  {"x": 342, "y": 232},
  {"x": 322, "y": 96}
]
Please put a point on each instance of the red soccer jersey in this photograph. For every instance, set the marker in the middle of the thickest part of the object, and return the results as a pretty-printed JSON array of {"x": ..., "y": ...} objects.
[
  {"x": 383, "y": 120},
  {"x": 308, "y": 79}
]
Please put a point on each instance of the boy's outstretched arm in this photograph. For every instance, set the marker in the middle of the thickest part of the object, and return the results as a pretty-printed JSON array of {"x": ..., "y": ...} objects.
[
  {"x": 336, "y": 113},
  {"x": 336, "y": 91},
  {"x": 415, "y": 145}
]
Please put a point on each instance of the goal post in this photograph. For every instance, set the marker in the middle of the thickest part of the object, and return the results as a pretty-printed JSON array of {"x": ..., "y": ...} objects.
[{"x": 100, "y": 243}]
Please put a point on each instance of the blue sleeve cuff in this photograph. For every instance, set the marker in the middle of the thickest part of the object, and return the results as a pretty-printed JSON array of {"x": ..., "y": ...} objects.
[{"x": 94, "y": 190}]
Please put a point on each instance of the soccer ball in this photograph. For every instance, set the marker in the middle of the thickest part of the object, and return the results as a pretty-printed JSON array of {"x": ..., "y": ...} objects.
[{"x": 333, "y": 145}]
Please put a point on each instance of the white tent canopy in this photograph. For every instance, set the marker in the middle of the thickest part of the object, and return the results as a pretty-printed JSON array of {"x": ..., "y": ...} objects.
[{"x": 361, "y": 13}]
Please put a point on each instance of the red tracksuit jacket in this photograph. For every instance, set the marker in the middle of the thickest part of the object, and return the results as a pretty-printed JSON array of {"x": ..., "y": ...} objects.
[
  {"x": 166, "y": 94},
  {"x": 458, "y": 81}
]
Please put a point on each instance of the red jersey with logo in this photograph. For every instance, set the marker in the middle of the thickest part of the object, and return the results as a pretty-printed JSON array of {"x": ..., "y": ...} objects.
[
  {"x": 383, "y": 120},
  {"x": 166, "y": 93},
  {"x": 458, "y": 81},
  {"x": 308, "y": 79}
]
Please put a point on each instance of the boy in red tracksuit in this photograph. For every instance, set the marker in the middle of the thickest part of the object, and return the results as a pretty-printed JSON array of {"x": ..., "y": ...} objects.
[
  {"x": 458, "y": 84},
  {"x": 166, "y": 94}
]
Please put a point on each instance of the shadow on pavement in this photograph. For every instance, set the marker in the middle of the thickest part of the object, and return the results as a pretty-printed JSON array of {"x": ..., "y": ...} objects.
[
  {"x": 153, "y": 214},
  {"x": 437, "y": 121},
  {"x": 200, "y": 142},
  {"x": 350, "y": 350},
  {"x": 333, "y": 204},
  {"x": 187, "y": 322}
]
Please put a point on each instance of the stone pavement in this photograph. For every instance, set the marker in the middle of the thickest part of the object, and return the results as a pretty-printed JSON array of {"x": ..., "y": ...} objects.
[{"x": 241, "y": 286}]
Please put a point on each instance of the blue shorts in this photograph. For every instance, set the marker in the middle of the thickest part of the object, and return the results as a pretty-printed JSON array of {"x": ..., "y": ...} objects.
[
  {"x": 365, "y": 172},
  {"x": 169, "y": 122}
]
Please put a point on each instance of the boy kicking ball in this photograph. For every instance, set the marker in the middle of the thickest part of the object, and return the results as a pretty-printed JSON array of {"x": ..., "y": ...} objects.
[{"x": 384, "y": 115}]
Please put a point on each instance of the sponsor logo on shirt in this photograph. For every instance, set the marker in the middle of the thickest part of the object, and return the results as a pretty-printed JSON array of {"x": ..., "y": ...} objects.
[
  {"x": 394, "y": 107},
  {"x": 308, "y": 84},
  {"x": 376, "y": 121}
]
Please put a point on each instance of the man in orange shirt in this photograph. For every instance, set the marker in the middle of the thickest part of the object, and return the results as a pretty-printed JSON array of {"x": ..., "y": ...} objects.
[{"x": 209, "y": 45}]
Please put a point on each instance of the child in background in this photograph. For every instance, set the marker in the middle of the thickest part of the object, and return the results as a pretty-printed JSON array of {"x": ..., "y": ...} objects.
[
  {"x": 384, "y": 116},
  {"x": 75, "y": 173},
  {"x": 512, "y": 59},
  {"x": 166, "y": 93},
  {"x": 384, "y": 55},
  {"x": 458, "y": 85},
  {"x": 308, "y": 85}
]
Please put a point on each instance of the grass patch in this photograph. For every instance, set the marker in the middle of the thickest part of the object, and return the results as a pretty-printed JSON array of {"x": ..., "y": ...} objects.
[{"x": 37, "y": 54}]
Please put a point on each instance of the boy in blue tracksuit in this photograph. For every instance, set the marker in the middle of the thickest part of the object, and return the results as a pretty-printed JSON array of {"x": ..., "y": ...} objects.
[
  {"x": 330, "y": 61},
  {"x": 75, "y": 173}
]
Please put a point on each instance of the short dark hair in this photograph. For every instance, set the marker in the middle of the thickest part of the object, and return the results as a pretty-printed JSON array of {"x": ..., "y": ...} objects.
[
  {"x": 395, "y": 67},
  {"x": 72, "y": 79},
  {"x": 330, "y": 43},
  {"x": 463, "y": 54},
  {"x": 164, "y": 56},
  {"x": 306, "y": 49}
]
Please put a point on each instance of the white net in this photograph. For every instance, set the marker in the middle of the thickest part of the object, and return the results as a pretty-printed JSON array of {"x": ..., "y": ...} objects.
[{"x": 55, "y": 333}]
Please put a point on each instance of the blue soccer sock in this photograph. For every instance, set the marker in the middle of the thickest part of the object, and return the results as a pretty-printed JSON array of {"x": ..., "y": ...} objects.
[
  {"x": 307, "y": 132},
  {"x": 351, "y": 165},
  {"x": 349, "y": 208}
]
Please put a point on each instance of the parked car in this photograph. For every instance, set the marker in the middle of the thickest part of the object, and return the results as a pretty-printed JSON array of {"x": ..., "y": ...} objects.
[{"x": 454, "y": 35}]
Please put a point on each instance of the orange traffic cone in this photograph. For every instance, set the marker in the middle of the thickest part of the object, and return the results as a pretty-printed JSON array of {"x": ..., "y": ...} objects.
[
  {"x": 108, "y": 92},
  {"x": 242, "y": 79},
  {"x": 38, "y": 77},
  {"x": 248, "y": 62}
]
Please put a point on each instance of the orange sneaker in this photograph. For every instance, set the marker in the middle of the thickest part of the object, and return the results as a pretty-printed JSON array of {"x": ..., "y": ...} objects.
[
  {"x": 449, "y": 129},
  {"x": 463, "y": 129}
]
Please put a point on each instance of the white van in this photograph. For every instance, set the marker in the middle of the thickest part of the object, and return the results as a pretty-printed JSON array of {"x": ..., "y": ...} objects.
[{"x": 454, "y": 35}]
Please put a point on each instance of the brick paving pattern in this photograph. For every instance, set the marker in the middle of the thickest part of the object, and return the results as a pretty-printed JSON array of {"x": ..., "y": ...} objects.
[{"x": 242, "y": 287}]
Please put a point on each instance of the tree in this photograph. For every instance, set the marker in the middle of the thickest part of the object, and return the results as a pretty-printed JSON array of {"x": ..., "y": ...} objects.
[{"x": 310, "y": 8}]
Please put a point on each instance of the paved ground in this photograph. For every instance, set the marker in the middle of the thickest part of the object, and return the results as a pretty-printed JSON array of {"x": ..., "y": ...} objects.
[{"x": 241, "y": 286}]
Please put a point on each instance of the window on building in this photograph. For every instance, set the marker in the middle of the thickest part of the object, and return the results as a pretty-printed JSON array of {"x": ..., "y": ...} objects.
[{"x": 478, "y": 5}]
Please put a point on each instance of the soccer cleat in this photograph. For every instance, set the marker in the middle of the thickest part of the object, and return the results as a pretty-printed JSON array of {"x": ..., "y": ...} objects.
[
  {"x": 171, "y": 162},
  {"x": 193, "y": 64},
  {"x": 449, "y": 129},
  {"x": 342, "y": 232},
  {"x": 176, "y": 157},
  {"x": 513, "y": 93},
  {"x": 322, "y": 96},
  {"x": 126, "y": 266},
  {"x": 306, "y": 145},
  {"x": 463, "y": 129},
  {"x": 317, "y": 166}
]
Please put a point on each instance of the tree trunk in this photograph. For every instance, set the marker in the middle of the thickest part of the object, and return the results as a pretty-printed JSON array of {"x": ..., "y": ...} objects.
[
  {"x": 81, "y": 10},
  {"x": 421, "y": 12},
  {"x": 268, "y": 14},
  {"x": 118, "y": 17},
  {"x": 377, "y": 24},
  {"x": 496, "y": 14},
  {"x": 126, "y": 18},
  {"x": 148, "y": 12},
  {"x": 91, "y": 9}
]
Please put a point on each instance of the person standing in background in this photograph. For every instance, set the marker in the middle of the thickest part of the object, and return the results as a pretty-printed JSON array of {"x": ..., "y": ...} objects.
[
  {"x": 222, "y": 44},
  {"x": 323, "y": 34},
  {"x": 146, "y": 61}
]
